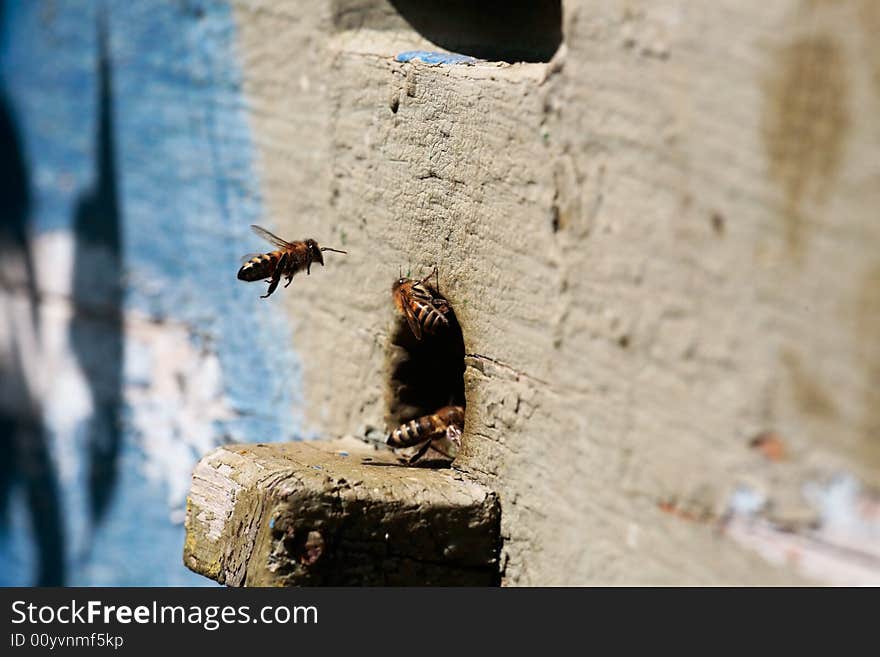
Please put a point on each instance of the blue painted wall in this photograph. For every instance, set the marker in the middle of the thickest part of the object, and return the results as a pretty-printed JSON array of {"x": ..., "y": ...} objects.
[{"x": 126, "y": 135}]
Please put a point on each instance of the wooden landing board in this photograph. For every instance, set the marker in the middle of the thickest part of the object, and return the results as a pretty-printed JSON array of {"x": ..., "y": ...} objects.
[{"x": 336, "y": 513}]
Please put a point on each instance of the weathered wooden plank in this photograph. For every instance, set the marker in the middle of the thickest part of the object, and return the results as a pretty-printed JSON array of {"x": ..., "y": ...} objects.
[{"x": 337, "y": 513}]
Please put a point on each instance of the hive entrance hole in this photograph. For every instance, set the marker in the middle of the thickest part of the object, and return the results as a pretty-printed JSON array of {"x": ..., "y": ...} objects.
[
  {"x": 424, "y": 375},
  {"x": 496, "y": 30}
]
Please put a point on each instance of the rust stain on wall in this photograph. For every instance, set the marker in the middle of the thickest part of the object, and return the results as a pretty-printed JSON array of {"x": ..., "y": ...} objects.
[
  {"x": 809, "y": 394},
  {"x": 804, "y": 126},
  {"x": 869, "y": 19},
  {"x": 770, "y": 445}
]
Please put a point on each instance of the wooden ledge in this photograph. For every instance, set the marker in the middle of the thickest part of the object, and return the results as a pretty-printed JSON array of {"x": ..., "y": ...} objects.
[{"x": 336, "y": 513}]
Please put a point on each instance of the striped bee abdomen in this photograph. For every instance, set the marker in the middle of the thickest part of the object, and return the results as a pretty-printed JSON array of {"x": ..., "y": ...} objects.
[
  {"x": 427, "y": 427},
  {"x": 430, "y": 316},
  {"x": 259, "y": 267},
  {"x": 413, "y": 432}
]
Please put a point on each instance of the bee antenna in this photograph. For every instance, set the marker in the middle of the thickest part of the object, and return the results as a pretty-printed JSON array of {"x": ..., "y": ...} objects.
[{"x": 327, "y": 248}]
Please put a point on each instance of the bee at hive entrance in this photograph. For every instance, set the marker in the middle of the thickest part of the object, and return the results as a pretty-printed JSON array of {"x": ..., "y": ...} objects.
[{"x": 426, "y": 374}]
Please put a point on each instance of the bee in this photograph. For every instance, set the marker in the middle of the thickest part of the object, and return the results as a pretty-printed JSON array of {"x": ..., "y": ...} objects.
[
  {"x": 424, "y": 312},
  {"x": 440, "y": 430},
  {"x": 290, "y": 258}
]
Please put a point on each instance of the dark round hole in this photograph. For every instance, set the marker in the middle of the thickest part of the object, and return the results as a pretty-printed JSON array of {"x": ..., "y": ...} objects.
[{"x": 496, "y": 30}]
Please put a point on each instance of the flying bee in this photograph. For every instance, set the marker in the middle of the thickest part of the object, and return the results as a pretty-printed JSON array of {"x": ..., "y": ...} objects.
[
  {"x": 440, "y": 430},
  {"x": 424, "y": 312},
  {"x": 287, "y": 260}
]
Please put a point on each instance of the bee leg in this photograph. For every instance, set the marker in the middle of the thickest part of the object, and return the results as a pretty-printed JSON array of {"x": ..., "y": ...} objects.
[
  {"x": 272, "y": 286},
  {"x": 288, "y": 268},
  {"x": 424, "y": 448},
  {"x": 428, "y": 277},
  {"x": 276, "y": 276}
]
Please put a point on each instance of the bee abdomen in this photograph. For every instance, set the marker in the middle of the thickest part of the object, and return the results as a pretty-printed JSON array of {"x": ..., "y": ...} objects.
[
  {"x": 414, "y": 431},
  {"x": 430, "y": 318},
  {"x": 259, "y": 267},
  {"x": 427, "y": 427}
]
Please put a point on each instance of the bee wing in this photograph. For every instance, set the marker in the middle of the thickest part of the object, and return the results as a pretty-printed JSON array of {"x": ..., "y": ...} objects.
[
  {"x": 270, "y": 237},
  {"x": 449, "y": 442},
  {"x": 412, "y": 320},
  {"x": 249, "y": 256}
]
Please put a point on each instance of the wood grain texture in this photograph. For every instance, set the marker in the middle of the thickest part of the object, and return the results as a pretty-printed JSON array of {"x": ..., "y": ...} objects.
[
  {"x": 659, "y": 246},
  {"x": 336, "y": 513}
]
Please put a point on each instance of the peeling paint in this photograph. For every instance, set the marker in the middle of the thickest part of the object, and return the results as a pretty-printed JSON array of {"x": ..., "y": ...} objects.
[
  {"x": 842, "y": 549},
  {"x": 436, "y": 58},
  {"x": 747, "y": 501},
  {"x": 850, "y": 514},
  {"x": 176, "y": 398}
]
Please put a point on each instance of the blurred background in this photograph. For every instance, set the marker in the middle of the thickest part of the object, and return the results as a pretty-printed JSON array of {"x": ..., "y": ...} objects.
[{"x": 126, "y": 349}]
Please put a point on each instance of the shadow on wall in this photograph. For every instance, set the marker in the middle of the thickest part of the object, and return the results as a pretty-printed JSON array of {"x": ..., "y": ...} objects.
[
  {"x": 23, "y": 438},
  {"x": 96, "y": 327},
  {"x": 95, "y": 337}
]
